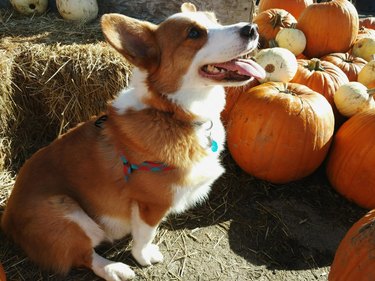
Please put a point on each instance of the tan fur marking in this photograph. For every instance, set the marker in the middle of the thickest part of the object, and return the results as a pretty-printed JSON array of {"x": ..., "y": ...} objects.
[
  {"x": 176, "y": 55},
  {"x": 134, "y": 39}
]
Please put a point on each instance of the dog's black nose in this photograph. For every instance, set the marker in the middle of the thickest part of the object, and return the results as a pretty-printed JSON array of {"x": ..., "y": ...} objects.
[{"x": 249, "y": 31}]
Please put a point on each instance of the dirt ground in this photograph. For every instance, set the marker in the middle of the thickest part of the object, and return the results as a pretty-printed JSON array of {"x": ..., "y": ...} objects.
[{"x": 248, "y": 229}]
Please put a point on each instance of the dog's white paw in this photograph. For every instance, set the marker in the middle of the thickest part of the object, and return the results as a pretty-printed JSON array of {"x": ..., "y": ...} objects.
[
  {"x": 118, "y": 271},
  {"x": 148, "y": 255}
]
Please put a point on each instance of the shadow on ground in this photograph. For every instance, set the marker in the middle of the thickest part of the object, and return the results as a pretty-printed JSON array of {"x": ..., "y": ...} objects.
[
  {"x": 296, "y": 226},
  {"x": 293, "y": 226}
]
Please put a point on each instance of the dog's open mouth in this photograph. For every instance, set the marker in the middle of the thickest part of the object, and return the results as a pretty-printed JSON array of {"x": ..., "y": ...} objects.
[{"x": 235, "y": 70}]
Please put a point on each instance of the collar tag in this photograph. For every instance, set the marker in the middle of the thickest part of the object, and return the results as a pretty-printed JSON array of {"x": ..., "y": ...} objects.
[
  {"x": 207, "y": 126},
  {"x": 214, "y": 146}
]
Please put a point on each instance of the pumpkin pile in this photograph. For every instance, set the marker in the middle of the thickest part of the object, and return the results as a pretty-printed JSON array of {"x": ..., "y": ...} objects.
[
  {"x": 315, "y": 105},
  {"x": 73, "y": 10},
  {"x": 317, "y": 78}
]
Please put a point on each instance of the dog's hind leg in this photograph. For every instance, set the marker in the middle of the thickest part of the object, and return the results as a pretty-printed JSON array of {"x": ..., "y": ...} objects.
[
  {"x": 58, "y": 235},
  {"x": 108, "y": 270}
]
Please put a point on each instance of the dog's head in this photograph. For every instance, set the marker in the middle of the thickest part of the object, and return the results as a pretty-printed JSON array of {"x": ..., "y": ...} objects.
[
  {"x": 182, "y": 63},
  {"x": 189, "y": 49}
]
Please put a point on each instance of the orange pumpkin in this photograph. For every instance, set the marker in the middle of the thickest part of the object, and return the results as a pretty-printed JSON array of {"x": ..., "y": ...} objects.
[
  {"x": 349, "y": 64},
  {"x": 231, "y": 97},
  {"x": 2, "y": 273},
  {"x": 329, "y": 27},
  {"x": 350, "y": 166},
  {"x": 301, "y": 56},
  {"x": 280, "y": 132},
  {"x": 323, "y": 77},
  {"x": 295, "y": 7},
  {"x": 270, "y": 22},
  {"x": 354, "y": 258},
  {"x": 368, "y": 22}
]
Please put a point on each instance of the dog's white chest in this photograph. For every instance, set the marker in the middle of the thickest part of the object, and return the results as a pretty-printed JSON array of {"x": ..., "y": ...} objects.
[
  {"x": 200, "y": 179},
  {"x": 201, "y": 176}
]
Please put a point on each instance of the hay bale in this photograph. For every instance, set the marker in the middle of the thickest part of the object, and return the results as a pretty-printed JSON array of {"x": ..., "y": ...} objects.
[
  {"x": 56, "y": 74},
  {"x": 6, "y": 62},
  {"x": 50, "y": 87}
]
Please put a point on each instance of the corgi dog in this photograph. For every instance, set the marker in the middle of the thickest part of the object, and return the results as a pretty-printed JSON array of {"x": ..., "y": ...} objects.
[{"x": 155, "y": 152}]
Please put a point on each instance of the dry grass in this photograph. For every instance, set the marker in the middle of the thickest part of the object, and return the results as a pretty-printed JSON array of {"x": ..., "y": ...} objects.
[
  {"x": 48, "y": 29},
  {"x": 54, "y": 74},
  {"x": 52, "y": 81},
  {"x": 6, "y": 103}
]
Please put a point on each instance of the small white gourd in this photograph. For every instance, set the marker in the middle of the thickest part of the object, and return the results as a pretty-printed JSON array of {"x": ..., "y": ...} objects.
[
  {"x": 30, "y": 7},
  {"x": 78, "y": 10},
  {"x": 292, "y": 39},
  {"x": 367, "y": 74},
  {"x": 279, "y": 63},
  {"x": 352, "y": 98},
  {"x": 364, "y": 48}
]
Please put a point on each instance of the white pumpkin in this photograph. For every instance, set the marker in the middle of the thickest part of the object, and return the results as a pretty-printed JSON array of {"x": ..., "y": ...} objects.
[
  {"x": 78, "y": 10},
  {"x": 279, "y": 63},
  {"x": 30, "y": 7},
  {"x": 367, "y": 74},
  {"x": 365, "y": 48},
  {"x": 352, "y": 98},
  {"x": 292, "y": 39}
]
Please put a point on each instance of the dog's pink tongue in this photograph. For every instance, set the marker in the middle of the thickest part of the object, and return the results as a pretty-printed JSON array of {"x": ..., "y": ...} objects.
[{"x": 245, "y": 67}]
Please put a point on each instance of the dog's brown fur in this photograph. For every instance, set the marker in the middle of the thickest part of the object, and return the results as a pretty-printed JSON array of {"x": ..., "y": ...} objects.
[
  {"x": 66, "y": 190},
  {"x": 100, "y": 188}
]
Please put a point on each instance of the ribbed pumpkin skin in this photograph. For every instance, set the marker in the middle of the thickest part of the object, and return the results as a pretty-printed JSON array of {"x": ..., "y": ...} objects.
[
  {"x": 354, "y": 259},
  {"x": 295, "y": 7},
  {"x": 329, "y": 27},
  {"x": 278, "y": 136},
  {"x": 231, "y": 97},
  {"x": 368, "y": 22},
  {"x": 351, "y": 162},
  {"x": 349, "y": 64},
  {"x": 321, "y": 76},
  {"x": 270, "y": 22}
]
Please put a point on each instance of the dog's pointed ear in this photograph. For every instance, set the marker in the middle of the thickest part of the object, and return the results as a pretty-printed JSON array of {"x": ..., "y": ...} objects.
[
  {"x": 188, "y": 7},
  {"x": 133, "y": 38}
]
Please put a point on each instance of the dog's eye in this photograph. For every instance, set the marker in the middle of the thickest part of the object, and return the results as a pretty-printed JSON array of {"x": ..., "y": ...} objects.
[{"x": 194, "y": 33}]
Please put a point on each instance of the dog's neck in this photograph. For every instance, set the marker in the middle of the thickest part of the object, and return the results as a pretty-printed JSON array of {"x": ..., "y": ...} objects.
[{"x": 190, "y": 102}]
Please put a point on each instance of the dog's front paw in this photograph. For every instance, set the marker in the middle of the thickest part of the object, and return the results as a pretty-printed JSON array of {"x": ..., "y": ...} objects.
[
  {"x": 148, "y": 255},
  {"x": 118, "y": 272}
]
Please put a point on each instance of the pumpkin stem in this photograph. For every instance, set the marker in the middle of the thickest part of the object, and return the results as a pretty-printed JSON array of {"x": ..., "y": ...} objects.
[
  {"x": 290, "y": 92},
  {"x": 286, "y": 91},
  {"x": 293, "y": 25},
  {"x": 315, "y": 65},
  {"x": 277, "y": 21}
]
